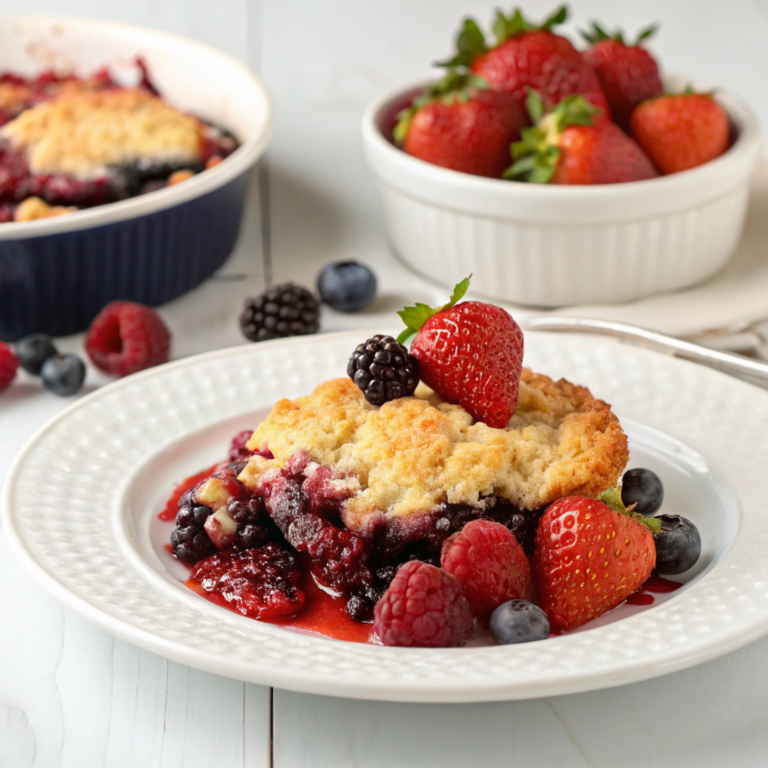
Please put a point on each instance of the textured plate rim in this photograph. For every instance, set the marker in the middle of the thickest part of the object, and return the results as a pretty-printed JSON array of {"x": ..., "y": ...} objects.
[{"x": 447, "y": 690}]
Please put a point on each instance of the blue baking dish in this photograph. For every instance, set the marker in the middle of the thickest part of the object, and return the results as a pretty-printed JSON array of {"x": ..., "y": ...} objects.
[{"x": 57, "y": 273}]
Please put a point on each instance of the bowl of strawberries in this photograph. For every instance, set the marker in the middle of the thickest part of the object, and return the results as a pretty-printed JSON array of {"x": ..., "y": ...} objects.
[{"x": 561, "y": 176}]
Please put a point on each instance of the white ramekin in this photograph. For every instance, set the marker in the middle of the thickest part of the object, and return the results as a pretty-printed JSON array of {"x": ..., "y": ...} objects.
[{"x": 553, "y": 245}]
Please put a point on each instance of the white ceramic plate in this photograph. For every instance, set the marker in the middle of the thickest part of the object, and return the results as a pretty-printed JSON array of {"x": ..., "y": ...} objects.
[{"x": 81, "y": 504}]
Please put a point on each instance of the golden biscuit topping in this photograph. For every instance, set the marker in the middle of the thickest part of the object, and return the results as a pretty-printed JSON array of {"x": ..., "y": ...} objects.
[
  {"x": 83, "y": 133},
  {"x": 414, "y": 453},
  {"x": 35, "y": 208}
]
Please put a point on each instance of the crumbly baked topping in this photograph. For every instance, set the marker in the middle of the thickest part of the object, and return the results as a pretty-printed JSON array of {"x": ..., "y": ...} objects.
[
  {"x": 36, "y": 208},
  {"x": 414, "y": 453},
  {"x": 83, "y": 133}
]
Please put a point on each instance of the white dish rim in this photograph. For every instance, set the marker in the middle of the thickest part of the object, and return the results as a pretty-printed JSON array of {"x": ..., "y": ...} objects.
[{"x": 446, "y": 690}]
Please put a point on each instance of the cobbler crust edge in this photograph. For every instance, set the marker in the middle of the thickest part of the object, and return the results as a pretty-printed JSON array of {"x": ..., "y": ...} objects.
[{"x": 413, "y": 454}]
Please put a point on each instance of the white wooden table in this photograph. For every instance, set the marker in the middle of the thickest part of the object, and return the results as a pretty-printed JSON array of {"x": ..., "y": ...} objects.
[{"x": 72, "y": 695}]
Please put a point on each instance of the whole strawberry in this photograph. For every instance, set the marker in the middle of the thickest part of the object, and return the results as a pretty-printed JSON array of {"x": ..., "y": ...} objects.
[
  {"x": 589, "y": 559},
  {"x": 471, "y": 354},
  {"x": 461, "y": 124},
  {"x": 575, "y": 144},
  {"x": 490, "y": 564},
  {"x": 681, "y": 131},
  {"x": 627, "y": 72},
  {"x": 527, "y": 55}
]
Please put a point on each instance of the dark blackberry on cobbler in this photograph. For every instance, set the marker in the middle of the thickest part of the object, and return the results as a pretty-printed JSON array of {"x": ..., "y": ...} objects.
[
  {"x": 383, "y": 369},
  {"x": 251, "y": 519},
  {"x": 189, "y": 541},
  {"x": 283, "y": 310}
]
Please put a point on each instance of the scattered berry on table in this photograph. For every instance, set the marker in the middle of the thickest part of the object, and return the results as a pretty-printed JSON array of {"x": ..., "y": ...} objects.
[
  {"x": 627, "y": 72},
  {"x": 32, "y": 351},
  {"x": 678, "y": 545},
  {"x": 575, "y": 144},
  {"x": 63, "y": 374},
  {"x": 526, "y": 56},
  {"x": 518, "y": 621},
  {"x": 127, "y": 337},
  {"x": 262, "y": 583},
  {"x": 490, "y": 564},
  {"x": 280, "y": 311},
  {"x": 383, "y": 369},
  {"x": 8, "y": 365},
  {"x": 642, "y": 487},
  {"x": 470, "y": 353},
  {"x": 346, "y": 286},
  {"x": 681, "y": 131},
  {"x": 189, "y": 540},
  {"x": 462, "y": 124},
  {"x": 425, "y": 607},
  {"x": 588, "y": 560}
]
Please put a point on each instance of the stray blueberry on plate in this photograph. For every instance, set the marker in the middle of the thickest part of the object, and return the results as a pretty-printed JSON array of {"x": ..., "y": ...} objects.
[
  {"x": 346, "y": 286},
  {"x": 518, "y": 621},
  {"x": 63, "y": 374},
  {"x": 678, "y": 545},
  {"x": 642, "y": 487},
  {"x": 32, "y": 351},
  {"x": 383, "y": 369}
]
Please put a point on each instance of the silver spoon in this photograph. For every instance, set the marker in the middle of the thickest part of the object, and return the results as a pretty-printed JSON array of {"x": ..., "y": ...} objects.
[{"x": 723, "y": 361}]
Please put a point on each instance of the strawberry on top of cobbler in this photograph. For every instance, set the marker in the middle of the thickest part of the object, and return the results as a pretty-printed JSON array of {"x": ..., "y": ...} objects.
[
  {"x": 485, "y": 496},
  {"x": 68, "y": 143}
]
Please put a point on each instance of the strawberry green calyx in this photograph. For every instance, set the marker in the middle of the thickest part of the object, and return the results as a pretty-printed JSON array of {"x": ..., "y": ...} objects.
[
  {"x": 469, "y": 43},
  {"x": 597, "y": 34},
  {"x": 514, "y": 25},
  {"x": 455, "y": 86},
  {"x": 415, "y": 317},
  {"x": 536, "y": 154},
  {"x": 612, "y": 498}
]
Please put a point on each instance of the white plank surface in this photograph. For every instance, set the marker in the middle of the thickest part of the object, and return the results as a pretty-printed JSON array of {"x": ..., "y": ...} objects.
[{"x": 71, "y": 695}]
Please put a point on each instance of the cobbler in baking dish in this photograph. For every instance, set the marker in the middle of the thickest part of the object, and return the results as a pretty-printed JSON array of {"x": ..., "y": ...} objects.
[
  {"x": 68, "y": 143},
  {"x": 400, "y": 504}
]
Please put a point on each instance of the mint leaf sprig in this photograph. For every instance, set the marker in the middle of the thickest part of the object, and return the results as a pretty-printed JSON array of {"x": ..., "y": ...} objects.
[{"x": 414, "y": 317}]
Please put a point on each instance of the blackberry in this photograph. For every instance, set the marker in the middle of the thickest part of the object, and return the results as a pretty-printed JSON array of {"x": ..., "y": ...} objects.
[
  {"x": 189, "y": 540},
  {"x": 251, "y": 519},
  {"x": 383, "y": 369},
  {"x": 283, "y": 310}
]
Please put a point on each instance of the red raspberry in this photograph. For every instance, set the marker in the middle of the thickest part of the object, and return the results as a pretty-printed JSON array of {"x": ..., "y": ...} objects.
[
  {"x": 126, "y": 337},
  {"x": 490, "y": 564},
  {"x": 8, "y": 365},
  {"x": 424, "y": 606}
]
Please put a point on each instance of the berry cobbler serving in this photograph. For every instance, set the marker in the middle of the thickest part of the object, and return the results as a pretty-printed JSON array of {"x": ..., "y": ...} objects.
[
  {"x": 70, "y": 142},
  {"x": 433, "y": 493}
]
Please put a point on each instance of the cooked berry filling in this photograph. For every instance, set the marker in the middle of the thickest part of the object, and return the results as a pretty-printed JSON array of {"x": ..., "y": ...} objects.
[
  {"x": 70, "y": 143},
  {"x": 262, "y": 582},
  {"x": 298, "y": 508}
]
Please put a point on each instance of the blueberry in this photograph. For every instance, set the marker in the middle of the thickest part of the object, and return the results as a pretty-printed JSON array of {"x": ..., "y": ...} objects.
[
  {"x": 519, "y": 621},
  {"x": 63, "y": 374},
  {"x": 32, "y": 351},
  {"x": 678, "y": 545},
  {"x": 642, "y": 487},
  {"x": 347, "y": 286}
]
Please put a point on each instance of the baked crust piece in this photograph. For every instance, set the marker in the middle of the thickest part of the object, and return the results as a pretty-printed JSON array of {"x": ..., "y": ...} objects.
[
  {"x": 83, "y": 133},
  {"x": 413, "y": 454}
]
